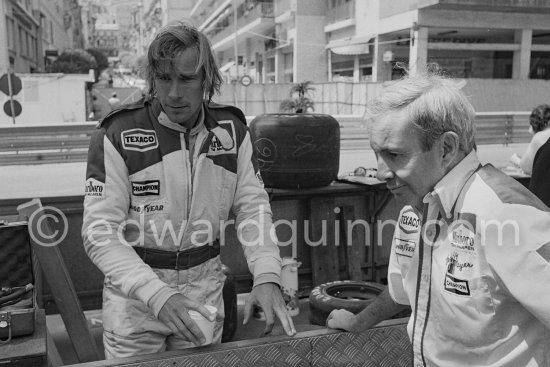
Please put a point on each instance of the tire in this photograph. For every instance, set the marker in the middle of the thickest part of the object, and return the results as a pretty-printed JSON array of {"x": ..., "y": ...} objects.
[
  {"x": 350, "y": 295},
  {"x": 229, "y": 306}
]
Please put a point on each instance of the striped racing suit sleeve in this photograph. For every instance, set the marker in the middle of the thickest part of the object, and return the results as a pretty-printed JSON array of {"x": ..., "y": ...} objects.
[{"x": 254, "y": 222}]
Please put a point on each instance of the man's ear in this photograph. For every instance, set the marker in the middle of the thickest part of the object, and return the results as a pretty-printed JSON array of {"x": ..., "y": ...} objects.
[{"x": 450, "y": 148}]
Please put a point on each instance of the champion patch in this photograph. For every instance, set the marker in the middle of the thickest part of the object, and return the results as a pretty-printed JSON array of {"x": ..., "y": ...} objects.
[
  {"x": 146, "y": 188},
  {"x": 404, "y": 247},
  {"x": 409, "y": 222},
  {"x": 94, "y": 188},
  {"x": 456, "y": 286},
  {"x": 140, "y": 140}
]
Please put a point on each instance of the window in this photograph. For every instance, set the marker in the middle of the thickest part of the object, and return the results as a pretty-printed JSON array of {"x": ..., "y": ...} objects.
[
  {"x": 22, "y": 42},
  {"x": 11, "y": 33},
  {"x": 29, "y": 46},
  {"x": 270, "y": 65},
  {"x": 289, "y": 61},
  {"x": 51, "y": 31}
]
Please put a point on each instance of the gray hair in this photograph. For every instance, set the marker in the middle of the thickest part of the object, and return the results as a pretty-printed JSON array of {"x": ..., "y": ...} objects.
[
  {"x": 174, "y": 38},
  {"x": 435, "y": 105}
]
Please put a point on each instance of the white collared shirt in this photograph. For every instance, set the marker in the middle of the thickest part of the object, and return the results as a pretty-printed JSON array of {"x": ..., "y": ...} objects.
[{"x": 475, "y": 270}]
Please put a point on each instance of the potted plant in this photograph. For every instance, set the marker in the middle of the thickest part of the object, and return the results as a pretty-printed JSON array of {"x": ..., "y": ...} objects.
[{"x": 299, "y": 101}]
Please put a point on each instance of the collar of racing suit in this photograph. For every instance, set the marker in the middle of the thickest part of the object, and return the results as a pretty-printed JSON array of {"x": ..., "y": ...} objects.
[
  {"x": 205, "y": 119},
  {"x": 164, "y": 120}
]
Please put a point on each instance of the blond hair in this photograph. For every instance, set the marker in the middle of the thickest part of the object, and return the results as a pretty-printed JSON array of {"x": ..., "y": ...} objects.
[{"x": 174, "y": 38}]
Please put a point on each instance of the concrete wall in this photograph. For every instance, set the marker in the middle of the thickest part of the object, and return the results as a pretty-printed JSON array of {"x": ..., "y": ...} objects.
[
  {"x": 49, "y": 98},
  {"x": 487, "y": 95},
  {"x": 330, "y": 98},
  {"x": 507, "y": 94}
]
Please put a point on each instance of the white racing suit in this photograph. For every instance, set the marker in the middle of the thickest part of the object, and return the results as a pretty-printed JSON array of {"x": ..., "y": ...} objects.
[{"x": 152, "y": 183}]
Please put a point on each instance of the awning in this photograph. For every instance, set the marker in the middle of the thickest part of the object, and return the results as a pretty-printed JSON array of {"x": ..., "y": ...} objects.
[
  {"x": 284, "y": 48},
  {"x": 227, "y": 66},
  {"x": 350, "y": 46},
  {"x": 358, "y": 49}
]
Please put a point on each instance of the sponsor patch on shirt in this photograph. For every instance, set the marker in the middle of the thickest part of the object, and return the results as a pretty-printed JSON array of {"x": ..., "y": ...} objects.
[
  {"x": 94, "y": 188},
  {"x": 409, "y": 222},
  {"x": 146, "y": 188},
  {"x": 149, "y": 208},
  {"x": 456, "y": 286},
  {"x": 459, "y": 266},
  {"x": 404, "y": 247},
  {"x": 140, "y": 140},
  {"x": 222, "y": 140},
  {"x": 463, "y": 238}
]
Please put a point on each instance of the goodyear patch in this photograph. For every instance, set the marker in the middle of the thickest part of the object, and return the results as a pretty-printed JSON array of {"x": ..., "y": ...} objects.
[
  {"x": 139, "y": 140},
  {"x": 146, "y": 188},
  {"x": 149, "y": 208},
  {"x": 94, "y": 188},
  {"x": 404, "y": 247},
  {"x": 409, "y": 222}
]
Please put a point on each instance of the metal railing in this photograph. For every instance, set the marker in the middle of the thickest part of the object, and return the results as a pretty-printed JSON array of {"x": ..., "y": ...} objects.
[
  {"x": 38, "y": 144},
  {"x": 246, "y": 13},
  {"x": 491, "y": 128}
]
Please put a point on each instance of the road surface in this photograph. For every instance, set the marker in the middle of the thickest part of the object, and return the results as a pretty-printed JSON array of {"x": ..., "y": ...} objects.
[{"x": 67, "y": 179}]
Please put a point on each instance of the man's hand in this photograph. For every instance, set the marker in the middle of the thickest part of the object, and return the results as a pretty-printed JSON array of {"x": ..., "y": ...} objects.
[
  {"x": 341, "y": 319},
  {"x": 515, "y": 159},
  {"x": 174, "y": 315},
  {"x": 269, "y": 297}
]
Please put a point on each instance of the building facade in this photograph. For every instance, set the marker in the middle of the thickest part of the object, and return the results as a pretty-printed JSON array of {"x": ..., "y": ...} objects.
[
  {"x": 509, "y": 39},
  {"x": 106, "y": 38},
  {"x": 271, "y": 41},
  {"x": 33, "y": 33},
  {"x": 22, "y": 45},
  {"x": 363, "y": 40}
]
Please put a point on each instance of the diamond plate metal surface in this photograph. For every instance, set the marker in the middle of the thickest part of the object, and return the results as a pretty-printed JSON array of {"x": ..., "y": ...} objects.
[{"x": 384, "y": 346}]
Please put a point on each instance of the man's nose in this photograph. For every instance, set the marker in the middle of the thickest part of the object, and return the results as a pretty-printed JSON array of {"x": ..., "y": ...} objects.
[
  {"x": 175, "y": 89},
  {"x": 383, "y": 173}
]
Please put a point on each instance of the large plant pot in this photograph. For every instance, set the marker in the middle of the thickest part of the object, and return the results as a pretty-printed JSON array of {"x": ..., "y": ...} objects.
[{"x": 296, "y": 150}]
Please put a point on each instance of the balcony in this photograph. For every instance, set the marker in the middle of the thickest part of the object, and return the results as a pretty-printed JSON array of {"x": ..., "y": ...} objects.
[
  {"x": 213, "y": 11},
  {"x": 281, "y": 6},
  {"x": 500, "y": 5},
  {"x": 251, "y": 16},
  {"x": 342, "y": 12}
]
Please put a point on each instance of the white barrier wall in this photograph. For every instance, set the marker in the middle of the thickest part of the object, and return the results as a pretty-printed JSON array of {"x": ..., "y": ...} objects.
[{"x": 49, "y": 98}]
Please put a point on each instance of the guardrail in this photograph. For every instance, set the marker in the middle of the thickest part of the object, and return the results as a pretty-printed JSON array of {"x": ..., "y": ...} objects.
[
  {"x": 37, "y": 144},
  {"x": 491, "y": 128}
]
